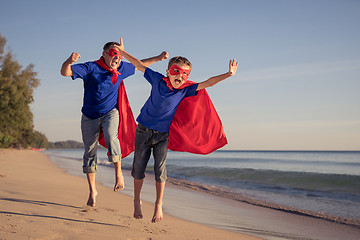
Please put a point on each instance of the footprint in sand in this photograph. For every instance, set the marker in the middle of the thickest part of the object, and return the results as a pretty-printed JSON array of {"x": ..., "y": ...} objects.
[
  {"x": 139, "y": 239},
  {"x": 89, "y": 209},
  {"x": 154, "y": 231}
]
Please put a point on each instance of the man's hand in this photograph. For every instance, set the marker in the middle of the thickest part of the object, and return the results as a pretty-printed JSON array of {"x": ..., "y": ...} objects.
[
  {"x": 66, "y": 67},
  {"x": 233, "y": 67},
  {"x": 121, "y": 47},
  {"x": 73, "y": 57}
]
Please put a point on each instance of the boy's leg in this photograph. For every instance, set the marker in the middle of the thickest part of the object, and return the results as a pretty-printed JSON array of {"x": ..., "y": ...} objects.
[
  {"x": 110, "y": 126},
  {"x": 160, "y": 154},
  {"x": 158, "y": 213},
  {"x": 92, "y": 188},
  {"x": 141, "y": 158},
  {"x": 138, "y": 183}
]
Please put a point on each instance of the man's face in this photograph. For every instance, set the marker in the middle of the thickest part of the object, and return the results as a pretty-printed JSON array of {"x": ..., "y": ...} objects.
[
  {"x": 178, "y": 74},
  {"x": 112, "y": 57}
]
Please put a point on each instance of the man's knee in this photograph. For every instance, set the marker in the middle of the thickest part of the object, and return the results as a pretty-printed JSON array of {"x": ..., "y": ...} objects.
[{"x": 114, "y": 158}]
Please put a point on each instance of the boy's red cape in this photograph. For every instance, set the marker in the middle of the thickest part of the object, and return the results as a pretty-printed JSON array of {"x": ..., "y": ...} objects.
[{"x": 196, "y": 127}]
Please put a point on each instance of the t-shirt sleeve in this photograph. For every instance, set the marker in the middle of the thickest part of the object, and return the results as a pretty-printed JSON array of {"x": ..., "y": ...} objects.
[
  {"x": 81, "y": 70},
  {"x": 152, "y": 76},
  {"x": 126, "y": 69},
  {"x": 191, "y": 90}
]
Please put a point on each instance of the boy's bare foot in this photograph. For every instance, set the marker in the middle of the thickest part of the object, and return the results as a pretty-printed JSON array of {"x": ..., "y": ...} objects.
[
  {"x": 119, "y": 183},
  {"x": 158, "y": 213},
  {"x": 92, "y": 199},
  {"x": 137, "y": 209}
]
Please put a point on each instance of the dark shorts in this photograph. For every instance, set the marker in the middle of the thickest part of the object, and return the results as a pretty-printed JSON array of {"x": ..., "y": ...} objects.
[{"x": 145, "y": 140}]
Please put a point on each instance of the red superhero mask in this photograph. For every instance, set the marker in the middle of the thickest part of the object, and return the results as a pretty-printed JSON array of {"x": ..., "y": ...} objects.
[
  {"x": 176, "y": 70},
  {"x": 113, "y": 52}
]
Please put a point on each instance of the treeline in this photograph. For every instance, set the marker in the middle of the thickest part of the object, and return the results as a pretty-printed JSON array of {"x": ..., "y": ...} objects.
[
  {"x": 65, "y": 144},
  {"x": 16, "y": 94}
]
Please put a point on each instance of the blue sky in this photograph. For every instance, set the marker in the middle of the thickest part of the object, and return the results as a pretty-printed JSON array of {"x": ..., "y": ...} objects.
[{"x": 298, "y": 80}]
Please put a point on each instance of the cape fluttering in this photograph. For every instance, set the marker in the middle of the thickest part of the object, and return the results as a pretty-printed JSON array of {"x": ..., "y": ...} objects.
[{"x": 196, "y": 127}]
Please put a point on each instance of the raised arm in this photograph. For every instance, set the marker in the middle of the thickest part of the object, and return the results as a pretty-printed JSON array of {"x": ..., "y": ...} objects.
[
  {"x": 214, "y": 80},
  {"x": 141, "y": 64},
  {"x": 66, "y": 67},
  {"x": 162, "y": 56}
]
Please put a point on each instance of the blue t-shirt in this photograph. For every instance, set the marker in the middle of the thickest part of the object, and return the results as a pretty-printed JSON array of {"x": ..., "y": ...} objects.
[
  {"x": 100, "y": 94},
  {"x": 160, "y": 108}
]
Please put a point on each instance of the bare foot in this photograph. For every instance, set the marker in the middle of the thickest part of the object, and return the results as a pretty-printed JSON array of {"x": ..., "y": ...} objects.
[
  {"x": 137, "y": 209},
  {"x": 158, "y": 214},
  {"x": 92, "y": 199},
  {"x": 119, "y": 184}
]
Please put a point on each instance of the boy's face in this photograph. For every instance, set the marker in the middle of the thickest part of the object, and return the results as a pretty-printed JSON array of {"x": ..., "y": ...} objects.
[
  {"x": 178, "y": 74},
  {"x": 112, "y": 57}
]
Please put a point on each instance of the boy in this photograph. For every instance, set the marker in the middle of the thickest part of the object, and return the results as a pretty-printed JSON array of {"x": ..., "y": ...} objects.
[
  {"x": 103, "y": 86},
  {"x": 156, "y": 117}
]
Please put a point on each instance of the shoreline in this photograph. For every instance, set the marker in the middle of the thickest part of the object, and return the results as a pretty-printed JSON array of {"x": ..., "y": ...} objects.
[
  {"x": 39, "y": 200},
  {"x": 227, "y": 193}
]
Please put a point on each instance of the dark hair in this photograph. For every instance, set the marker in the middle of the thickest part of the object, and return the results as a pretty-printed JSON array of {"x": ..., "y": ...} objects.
[
  {"x": 179, "y": 59},
  {"x": 109, "y": 44}
]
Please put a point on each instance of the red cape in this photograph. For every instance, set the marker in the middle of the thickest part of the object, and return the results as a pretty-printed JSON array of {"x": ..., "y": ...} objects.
[
  {"x": 127, "y": 125},
  {"x": 196, "y": 127}
]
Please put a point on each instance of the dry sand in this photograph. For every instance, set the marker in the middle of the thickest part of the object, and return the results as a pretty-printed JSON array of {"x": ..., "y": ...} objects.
[{"x": 40, "y": 201}]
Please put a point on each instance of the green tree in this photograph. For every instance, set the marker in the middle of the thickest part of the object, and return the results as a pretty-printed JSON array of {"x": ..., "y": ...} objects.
[
  {"x": 16, "y": 94},
  {"x": 38, "y": 140}
]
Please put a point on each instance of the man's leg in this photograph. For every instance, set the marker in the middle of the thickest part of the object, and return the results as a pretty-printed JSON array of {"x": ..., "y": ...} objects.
[
  {"x": 92, "y": 188},
  {"x": 90, "y": 134},
  {"x": 119, "y": 178},
  {"x": 110, "y": 126},
  {"x": 138, "y": 183}
]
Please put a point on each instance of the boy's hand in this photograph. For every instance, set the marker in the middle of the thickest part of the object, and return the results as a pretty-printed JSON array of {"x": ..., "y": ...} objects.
[
  {"x": 164, "y": 55},
  {"x": 73, "y": 57},
  {"x": 233, "y": 67}
]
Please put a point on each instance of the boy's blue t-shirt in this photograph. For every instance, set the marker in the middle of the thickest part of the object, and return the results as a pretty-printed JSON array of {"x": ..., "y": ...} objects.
[
  {"x": 160, "y": 108},
  {"x": 100, "y": 94}
]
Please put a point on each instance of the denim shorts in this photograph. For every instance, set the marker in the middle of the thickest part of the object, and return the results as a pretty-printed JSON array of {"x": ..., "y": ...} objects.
[
  {"x": 90, "y": 128},
  {"x": 145, "y": 140}
]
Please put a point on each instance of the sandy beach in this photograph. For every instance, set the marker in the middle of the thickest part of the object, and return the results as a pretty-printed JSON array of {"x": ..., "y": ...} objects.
[{"x": 40, "y": 201}]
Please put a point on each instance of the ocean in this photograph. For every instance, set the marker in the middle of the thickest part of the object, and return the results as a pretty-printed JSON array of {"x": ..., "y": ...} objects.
[{"x": 321, "y": 184}]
